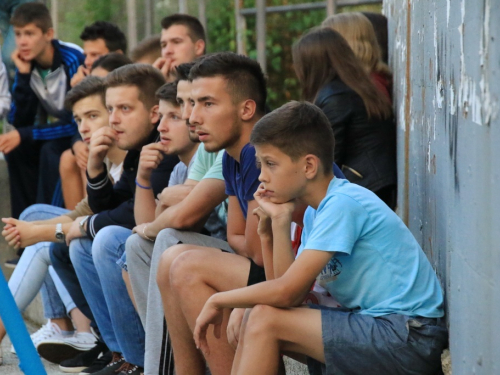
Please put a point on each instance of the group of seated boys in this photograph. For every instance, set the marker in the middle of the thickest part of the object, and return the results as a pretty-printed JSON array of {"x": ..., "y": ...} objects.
[{"x": 194, "y": 198}]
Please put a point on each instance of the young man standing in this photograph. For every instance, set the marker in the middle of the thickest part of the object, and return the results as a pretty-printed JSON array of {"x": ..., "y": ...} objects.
[
  {"x": 43, "y": 126},
  {"x": 182, "y": 40}
]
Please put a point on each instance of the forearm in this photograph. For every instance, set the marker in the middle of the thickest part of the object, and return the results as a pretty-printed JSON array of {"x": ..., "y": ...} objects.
[
  {"x": 237, "y": 243},
  {"x": 55, "y": 220},
  {"x": 44, "y": 233},
  {"x": 267, "y": 256},
  {"x": 283, "y": 255},
  {"x": 272, "y": 293},
  {"x": 144, "y": 205}
]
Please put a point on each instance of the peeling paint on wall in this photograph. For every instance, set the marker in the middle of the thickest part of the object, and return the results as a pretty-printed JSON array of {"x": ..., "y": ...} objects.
[{"x": 445, "y": 58}]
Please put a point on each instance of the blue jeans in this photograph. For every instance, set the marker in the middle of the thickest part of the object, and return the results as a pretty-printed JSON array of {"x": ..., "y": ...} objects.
[
  {"x": 34, "y": 272},
  {"x": 102, "y": 283}
]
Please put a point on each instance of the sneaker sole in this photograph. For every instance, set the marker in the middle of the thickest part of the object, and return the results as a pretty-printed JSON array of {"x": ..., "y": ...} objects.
[
  {"x": 72, "y": 370},
  {"x": 56, "y": 353}
]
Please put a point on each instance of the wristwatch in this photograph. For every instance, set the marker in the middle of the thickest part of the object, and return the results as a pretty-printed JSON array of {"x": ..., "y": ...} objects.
[
  {"x": 82, "y": 225},
  {"x": 60, "y": 236}
]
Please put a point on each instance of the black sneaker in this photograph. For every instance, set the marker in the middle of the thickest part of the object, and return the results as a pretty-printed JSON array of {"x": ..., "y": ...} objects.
[
  {"x": 129, "y": 369},
  {"x": 12, "y": 263},
  {"x": 84, "y": 360},
  {"x": 112, "y": 367},
  {"x": 98, "y": 364}
]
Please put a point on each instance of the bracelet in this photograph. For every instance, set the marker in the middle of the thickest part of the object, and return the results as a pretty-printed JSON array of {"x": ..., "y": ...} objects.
[
  {"x": 142, "y": 186},
  {"x": 145, "y": 235}
]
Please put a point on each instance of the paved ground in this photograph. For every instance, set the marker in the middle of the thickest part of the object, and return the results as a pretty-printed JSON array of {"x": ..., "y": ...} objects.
[{"x": 11, "y": 363}]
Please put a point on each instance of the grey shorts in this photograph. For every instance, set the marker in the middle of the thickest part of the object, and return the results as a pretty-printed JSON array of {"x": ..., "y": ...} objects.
[{"x": 389, "y": 344}]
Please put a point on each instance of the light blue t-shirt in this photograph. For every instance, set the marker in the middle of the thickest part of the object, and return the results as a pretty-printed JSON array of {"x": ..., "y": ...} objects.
[{"x": 378, "y": 267}]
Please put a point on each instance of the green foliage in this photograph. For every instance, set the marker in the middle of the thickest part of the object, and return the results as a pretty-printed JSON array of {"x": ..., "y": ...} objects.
[{"x": 283, "y": 29}]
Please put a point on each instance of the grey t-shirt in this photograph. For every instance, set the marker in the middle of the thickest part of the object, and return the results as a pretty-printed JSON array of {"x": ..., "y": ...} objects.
[{"x": 180, "y": 173}]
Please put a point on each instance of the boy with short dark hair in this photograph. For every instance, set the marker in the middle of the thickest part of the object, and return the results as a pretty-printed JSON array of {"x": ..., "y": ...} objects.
[
  {"x": 43, "y": 126},
  {"x": 99, "y": 39},
  {"x": 353, "y": 245},
  {"x": 182, "y": 40},
  {"x": 98, "y": 242}
]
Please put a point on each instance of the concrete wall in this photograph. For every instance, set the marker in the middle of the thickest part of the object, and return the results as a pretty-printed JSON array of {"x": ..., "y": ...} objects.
[{"x": 446, "y": 60}]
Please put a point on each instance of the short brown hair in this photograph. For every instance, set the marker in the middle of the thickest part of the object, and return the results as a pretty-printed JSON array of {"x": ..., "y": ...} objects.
[
  {"x": 168, "y": 93},
  {"x": 244, "y": 76},
  {"x": 143, "y": 76},
  {"x": 35, "y": 13},
  {"x": 193, "y": 24},
  {"x": 297, "y": 129},
  {"x": 148, "y": 47},
  {"x": 89, "y": 86}
]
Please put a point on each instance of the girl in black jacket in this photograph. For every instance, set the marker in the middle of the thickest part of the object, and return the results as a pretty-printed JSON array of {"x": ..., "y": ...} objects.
[{"x": 365, "y": 136}]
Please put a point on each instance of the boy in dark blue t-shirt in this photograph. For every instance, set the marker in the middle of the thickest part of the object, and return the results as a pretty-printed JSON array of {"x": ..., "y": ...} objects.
[{"x": 353, "y": 245}]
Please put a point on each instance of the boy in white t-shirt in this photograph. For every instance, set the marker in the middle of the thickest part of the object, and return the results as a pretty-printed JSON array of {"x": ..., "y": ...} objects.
[{"x": 353, "y": 245}]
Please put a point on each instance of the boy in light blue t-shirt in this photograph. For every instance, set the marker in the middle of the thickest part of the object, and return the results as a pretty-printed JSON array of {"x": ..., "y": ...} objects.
[{"x": 353, "y": 245}]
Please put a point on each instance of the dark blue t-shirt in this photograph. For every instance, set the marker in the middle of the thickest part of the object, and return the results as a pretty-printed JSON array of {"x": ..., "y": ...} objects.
[{"x": 242, "y": 179}]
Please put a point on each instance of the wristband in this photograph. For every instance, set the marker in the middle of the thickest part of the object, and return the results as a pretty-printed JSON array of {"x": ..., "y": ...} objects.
[{"x": 142, "y": 186}]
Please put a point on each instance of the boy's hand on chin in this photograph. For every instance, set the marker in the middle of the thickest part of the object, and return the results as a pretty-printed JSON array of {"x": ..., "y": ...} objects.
[{"x": 273, "y": 210}]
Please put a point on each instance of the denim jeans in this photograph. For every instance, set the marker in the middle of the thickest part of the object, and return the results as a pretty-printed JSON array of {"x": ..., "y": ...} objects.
[
  {"x": 102, "y": 283},
  {"x": 34, "y": 272}
]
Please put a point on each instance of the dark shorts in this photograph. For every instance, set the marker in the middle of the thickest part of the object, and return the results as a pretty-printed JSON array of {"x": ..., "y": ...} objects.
[
  {"x": 256, "y": 274},
  {"x": 389, "y": 344}
]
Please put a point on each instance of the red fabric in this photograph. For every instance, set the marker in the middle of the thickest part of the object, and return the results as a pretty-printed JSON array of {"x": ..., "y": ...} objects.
[{"x": 382, "y": 84}]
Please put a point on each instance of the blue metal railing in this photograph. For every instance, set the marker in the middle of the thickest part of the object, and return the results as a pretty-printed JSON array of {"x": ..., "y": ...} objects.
[{"x": 29, "y": 361}]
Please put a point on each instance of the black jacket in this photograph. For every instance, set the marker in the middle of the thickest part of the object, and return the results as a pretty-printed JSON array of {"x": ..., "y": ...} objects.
[
  {"x": 365, "y": 149},
  {"x": 115, "y": 204}
]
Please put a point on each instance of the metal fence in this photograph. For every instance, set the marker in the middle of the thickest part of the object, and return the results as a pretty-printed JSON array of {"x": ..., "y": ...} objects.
[{"x": 445, "y": 56}]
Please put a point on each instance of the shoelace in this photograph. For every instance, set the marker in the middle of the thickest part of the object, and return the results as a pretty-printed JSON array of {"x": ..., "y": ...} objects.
[
  {"x": 127, "y": 367},
  {"x": 48, "y": 330},
  {"x": 117, "y": 358}
]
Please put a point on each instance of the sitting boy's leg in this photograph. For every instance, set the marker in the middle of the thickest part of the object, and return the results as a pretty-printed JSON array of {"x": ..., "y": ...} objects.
[
  {"x": 107, "y": 249},
  {"x": 143, "y": 263},
  {"x": 61, "y": 262},
  {"x": 71, "y": 180},
  {"x": 41, "y": 211},
  {"x": 80, "y": 251},
  {"x": 50, "y": 155},
  {"x": 139, "y": 253},
  {"x": 195, "y": 276},
  {"x": 270, "y": 331}
]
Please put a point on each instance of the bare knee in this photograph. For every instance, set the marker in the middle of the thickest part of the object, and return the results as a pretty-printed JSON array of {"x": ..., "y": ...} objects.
[
  {"x": 67, "y": 163},
  {"x": 166, "y": 260},
  {"x": 184, "y": 270},
  {"x": 260, "y": 322}
]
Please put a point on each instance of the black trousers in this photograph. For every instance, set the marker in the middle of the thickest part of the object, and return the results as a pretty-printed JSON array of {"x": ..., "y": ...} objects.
[
  {"x": 34, "y": 172},
  {"x": 59, "y": 255}
]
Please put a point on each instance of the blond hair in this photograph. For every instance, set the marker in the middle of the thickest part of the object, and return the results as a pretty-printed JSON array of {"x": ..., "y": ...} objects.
[{"x": 359, "y": 33}]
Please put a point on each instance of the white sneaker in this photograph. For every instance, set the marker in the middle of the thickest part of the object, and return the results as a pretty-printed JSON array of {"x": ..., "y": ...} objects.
[
  {"x": 47, "y": 331},
  {"x": 58, "y": 350},
  {"x": 81, "y": 340}
]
